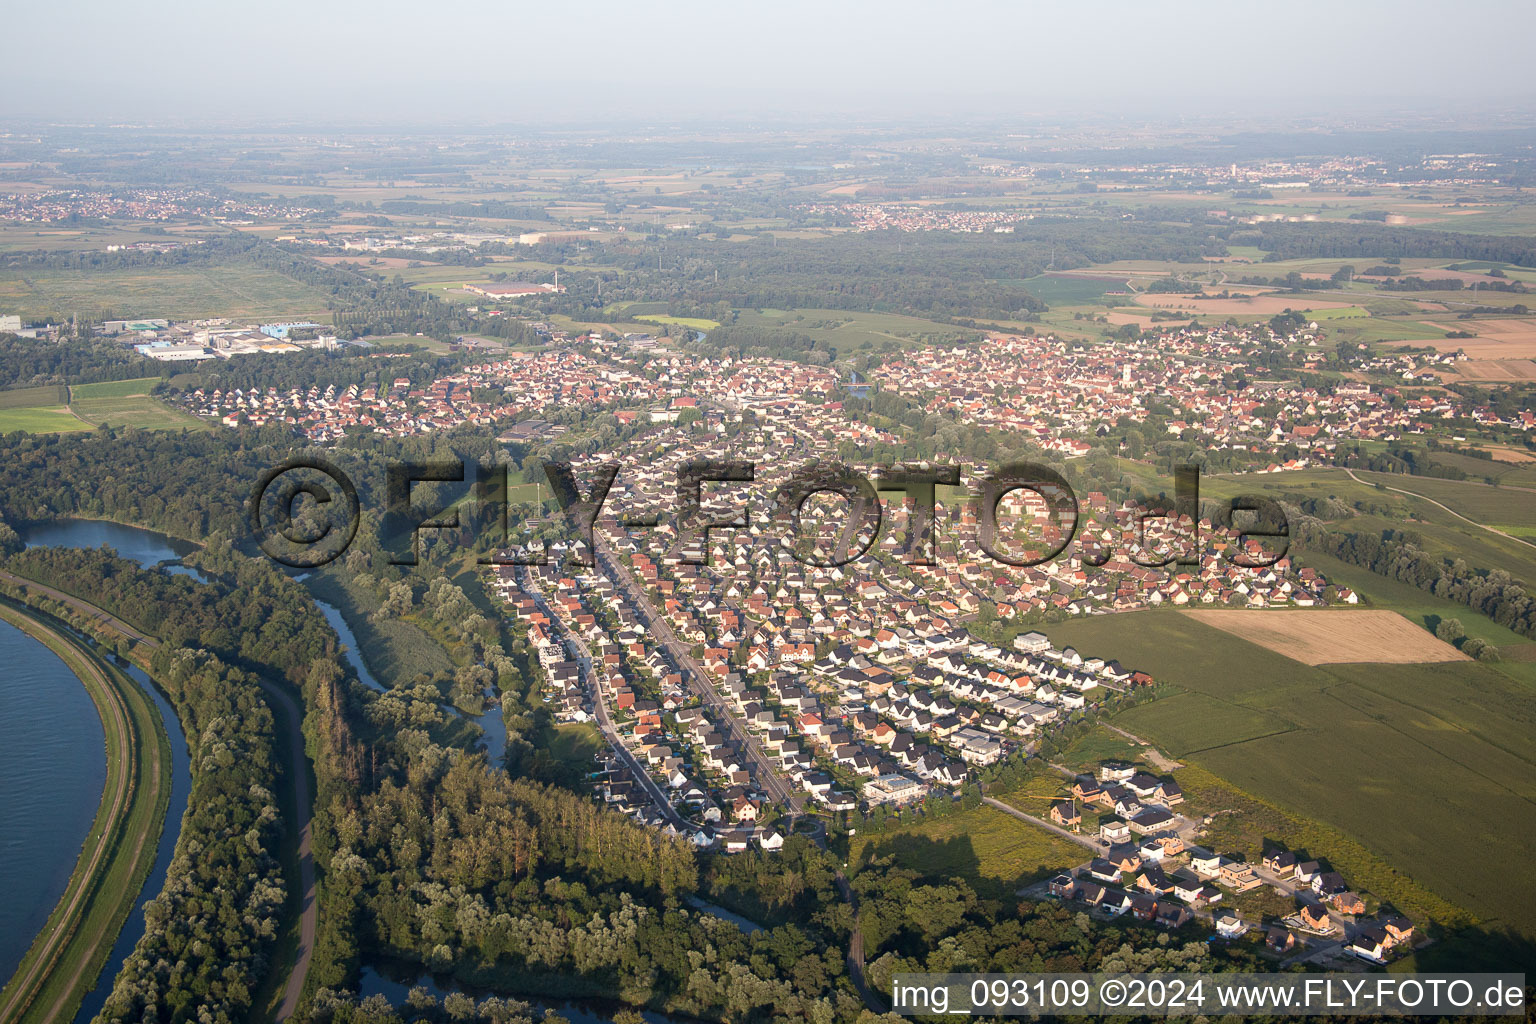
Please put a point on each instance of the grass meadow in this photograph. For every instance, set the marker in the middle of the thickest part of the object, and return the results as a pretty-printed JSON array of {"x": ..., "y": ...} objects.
[{"x": 234, "y": 290}]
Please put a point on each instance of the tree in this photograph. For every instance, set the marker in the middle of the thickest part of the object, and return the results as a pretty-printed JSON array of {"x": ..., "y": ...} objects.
[{"x": 1450, "y": 630}]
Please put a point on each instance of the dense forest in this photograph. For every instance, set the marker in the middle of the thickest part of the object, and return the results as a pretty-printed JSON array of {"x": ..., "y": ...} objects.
[
  {"x": 1364, "y": 240},
  {"x": 26, "y": 364},
  {"x": 209, "y": 934}
]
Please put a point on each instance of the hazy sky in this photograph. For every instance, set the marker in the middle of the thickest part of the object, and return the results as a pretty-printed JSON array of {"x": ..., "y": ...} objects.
[{"x": 515, "y": 62}]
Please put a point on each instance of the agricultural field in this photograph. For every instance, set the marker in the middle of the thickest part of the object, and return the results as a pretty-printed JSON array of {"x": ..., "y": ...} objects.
[
  {"x": 238, "y": 290},
  {"x": 41, "y": 421},
  {"x": 1494, "y": 506},
  {"x": 1443, "y": 534},
  {"x": 1418, "y": 606},
  {"x": 48, "y": 395},
  {"x": 697, "y": 323},
  {"x": 851, "y": 333},
  {"x": 123, "y": 403},
  {"x": 1332, "y": 635},
  {"x": 1497, "y": 370},
  {"x": 1425, "y": 765}
]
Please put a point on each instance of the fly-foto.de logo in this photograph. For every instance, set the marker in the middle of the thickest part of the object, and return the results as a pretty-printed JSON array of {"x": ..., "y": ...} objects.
[{"x": 305, "y": 512}]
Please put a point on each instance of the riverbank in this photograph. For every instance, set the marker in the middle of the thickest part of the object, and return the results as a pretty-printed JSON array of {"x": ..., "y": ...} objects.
[{"x": 68, "y": 953}]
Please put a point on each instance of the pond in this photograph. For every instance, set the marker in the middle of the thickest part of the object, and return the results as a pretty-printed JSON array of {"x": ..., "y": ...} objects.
[{"x": 146, "y": 547}]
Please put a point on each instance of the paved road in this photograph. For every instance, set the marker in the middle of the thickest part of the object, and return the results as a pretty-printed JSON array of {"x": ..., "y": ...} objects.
[
  {"x": 24, "y": 987},
  {"x": 297, "y": 771},
  {"x": 764, "y": 771},
  {"x": 1432, "y": 501},
  {"x": 600, "y": 706}
]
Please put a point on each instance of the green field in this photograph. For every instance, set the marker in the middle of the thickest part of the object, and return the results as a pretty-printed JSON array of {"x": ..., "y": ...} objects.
[
  {"x": 1070, "y": 290},
  {"x": 187, "y": 292},
  {"x": 851, "y": 332},
  {"x": 1495, "y": 506},
  {"x": 40, "y": 421},
  {"x": 115, "y": 388},
  {"x": 1428, "y": 766},
  {"x": 994, "y": 852},
  {"x": 128, "y": 403},
  {"x": 1443, "y": 534},
  {"x": 575, "y": 744},
  {"x": 48, "y": 396},
  {"x": 697, "y": 323},
  {"x": 121, "y": 403}
]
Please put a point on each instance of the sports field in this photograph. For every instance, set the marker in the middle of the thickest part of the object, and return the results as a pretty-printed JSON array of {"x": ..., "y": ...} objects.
[{"x": 1333, "y": 635}]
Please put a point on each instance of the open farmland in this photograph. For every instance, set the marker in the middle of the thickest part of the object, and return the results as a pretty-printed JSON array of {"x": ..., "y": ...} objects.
[
  {"x": 1252, "y": 305},
  {"x": 1331, "y": 636},
  {"x": 1497, "y": 369},
  {"x": 41, "y": 421},
  {"x": 55, "y": 409},
  {"x": 1426, "y": 765},
  {"x": 238, "y": 290}
]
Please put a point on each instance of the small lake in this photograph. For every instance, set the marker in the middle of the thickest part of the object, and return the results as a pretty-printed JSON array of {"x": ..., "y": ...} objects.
[
  {"x": 143, "y": 546},
  {"x": 148, "y": 548}
]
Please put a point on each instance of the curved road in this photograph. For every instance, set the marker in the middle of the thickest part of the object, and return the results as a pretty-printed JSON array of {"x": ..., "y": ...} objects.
[
  {"x": 46, "y": 948},
  {"x": 1432, "y": 501},
  {"x": 297, "y": 771}
]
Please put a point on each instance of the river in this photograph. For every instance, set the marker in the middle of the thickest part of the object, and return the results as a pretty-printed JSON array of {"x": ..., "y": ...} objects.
[
  {"x": 494, "y": 742},
  {"x": 49, "y": 793}
]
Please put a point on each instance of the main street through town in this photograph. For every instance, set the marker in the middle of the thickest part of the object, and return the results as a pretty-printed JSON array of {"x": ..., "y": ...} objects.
[
  {"x": 600, "y": 710},
  {"x": 764, "y": 771}
]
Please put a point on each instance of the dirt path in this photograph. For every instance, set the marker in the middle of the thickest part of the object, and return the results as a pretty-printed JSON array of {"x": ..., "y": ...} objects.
[
  {"x": 1432, "y": 501},
  {"x": 309, "y": 907},
  {"x": 1159, "y": 760},
  {"x": 871, "y": 998}
]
